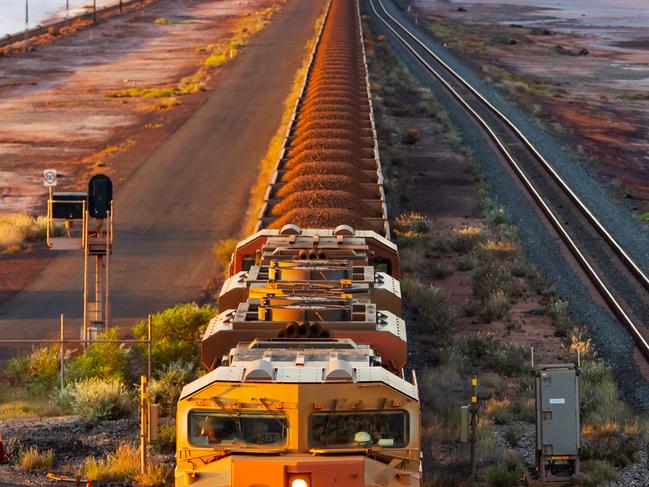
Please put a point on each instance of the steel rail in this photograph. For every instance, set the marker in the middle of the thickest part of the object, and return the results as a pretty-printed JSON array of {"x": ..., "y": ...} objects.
[
  {"x": 613, "y": 303},
  {"x": 610, "y": 240}
]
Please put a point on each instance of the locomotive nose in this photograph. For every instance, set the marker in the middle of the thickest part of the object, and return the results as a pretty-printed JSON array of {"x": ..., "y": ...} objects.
[{"x": 331, "y": 473}]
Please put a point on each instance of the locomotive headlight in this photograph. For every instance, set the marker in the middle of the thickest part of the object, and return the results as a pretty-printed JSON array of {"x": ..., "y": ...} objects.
[{"x": 300, "y": 481}]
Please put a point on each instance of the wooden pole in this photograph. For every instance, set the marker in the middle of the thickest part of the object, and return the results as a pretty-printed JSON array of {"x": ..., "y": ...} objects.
[
  {"x": 62, "y": 354},
  {"x": 149, "y": 347},
  {"x": 143, "y": 423}
]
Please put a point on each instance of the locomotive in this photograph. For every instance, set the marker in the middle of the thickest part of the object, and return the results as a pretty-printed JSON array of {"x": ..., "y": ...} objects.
[{"x": 306, "y": 382}]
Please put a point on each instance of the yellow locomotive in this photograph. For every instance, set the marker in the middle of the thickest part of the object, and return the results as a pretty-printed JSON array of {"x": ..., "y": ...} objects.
[{"x": 306, "y": 384}]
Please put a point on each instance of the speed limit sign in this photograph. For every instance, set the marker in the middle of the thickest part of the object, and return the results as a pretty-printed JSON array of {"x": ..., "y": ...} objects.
[{"x": 49, "y": 178}]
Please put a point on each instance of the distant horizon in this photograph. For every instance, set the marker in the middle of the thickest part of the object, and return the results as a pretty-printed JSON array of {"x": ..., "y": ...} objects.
[{"x": 610, "y": 9}]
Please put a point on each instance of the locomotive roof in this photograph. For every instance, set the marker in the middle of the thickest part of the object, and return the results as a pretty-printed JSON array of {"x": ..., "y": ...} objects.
[{"x": 298, "y": 362}]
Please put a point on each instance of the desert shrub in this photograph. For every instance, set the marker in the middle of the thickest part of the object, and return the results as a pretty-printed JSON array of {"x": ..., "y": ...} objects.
[
  {"x": 442, "y": 390},
  {"x": 613, "y": 442},
  {"x": 466, "y": 240},
  {"x": 558, "y": 313},
  {"x": 506, "y": 474},
  {"x": 490, "y": 384},
  {"x": 38, "y": 370},
  {"x": 499, "y": 410},
  {"x": 494, "y": 307},
  {"x": 176, "y": 333},
  {"x": 123, "y": 464},
  {"x": 599, "y": 398},
  {"x": 412, "y": 223},
  {"x": 440, "y": 270},
  {"x": 102, "y": 360},
  {"x": 526, "y": 410},
  {"x": 95, "y": 399},
  {"x": 155, "y": 475},
  {"x": 412, "y": 259},
  {"x": 223, "y": 250},
  {"x": 487, "y": 352},
  {"x": 596, "y": 472},
  {"x": 410, "y": 136},
  {"x": 34, "y": 459},
  {"x": 513, "y": 435},
  {"x": 466, "y": 262},
  {"x": 429, "y": 309},
  {"x": 17, "y": 229},
  {"x": 493, "y": 213},
  {"x": 167, "y": 437},
  {"x": 166, "y": 387},
  {"x": 486, "y": 442},
  {"x": 20, "y": 403}
]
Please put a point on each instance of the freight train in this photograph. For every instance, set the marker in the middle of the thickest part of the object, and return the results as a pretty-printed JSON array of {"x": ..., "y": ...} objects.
[{"x": 306, "y": 382}]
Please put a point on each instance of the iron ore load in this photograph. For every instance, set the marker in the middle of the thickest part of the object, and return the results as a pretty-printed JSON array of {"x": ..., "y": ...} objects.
[{"x": 306, "y": 384}]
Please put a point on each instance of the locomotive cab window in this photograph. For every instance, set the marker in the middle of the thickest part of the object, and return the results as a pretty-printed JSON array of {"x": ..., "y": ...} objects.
[
  {"x": 335, "y": 429},
  {"x": 218, "y": 429}
]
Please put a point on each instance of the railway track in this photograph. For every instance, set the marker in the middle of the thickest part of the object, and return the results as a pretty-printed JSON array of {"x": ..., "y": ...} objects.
[{"x": 616, "y": 277}]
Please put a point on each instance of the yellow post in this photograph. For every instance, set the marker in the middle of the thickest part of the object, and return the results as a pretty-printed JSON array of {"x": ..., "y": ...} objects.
[
  {"x": 144, "y": 413},
  {"x": 62, "y": 353},
  {"x": 474, "y": 424}
]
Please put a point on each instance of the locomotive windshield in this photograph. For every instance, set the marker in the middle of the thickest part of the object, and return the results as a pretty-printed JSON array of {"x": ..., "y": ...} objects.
[
  {"x": 218, "y": 429},
  {"x": 335, "y": 429}
]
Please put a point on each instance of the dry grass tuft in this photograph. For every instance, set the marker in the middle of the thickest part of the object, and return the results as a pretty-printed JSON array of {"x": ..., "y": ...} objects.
[
  {"x": 35, "y": 459},
  {"x": 122, "y": 465},
  {"x": 17, "y": 230}
]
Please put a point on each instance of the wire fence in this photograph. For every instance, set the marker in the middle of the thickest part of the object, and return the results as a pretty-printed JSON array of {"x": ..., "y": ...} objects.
[{"x": 62, "y": 341}]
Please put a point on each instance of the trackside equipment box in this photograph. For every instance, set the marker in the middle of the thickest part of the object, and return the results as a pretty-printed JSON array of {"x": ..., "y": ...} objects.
[{"x": 557, "y": 421}]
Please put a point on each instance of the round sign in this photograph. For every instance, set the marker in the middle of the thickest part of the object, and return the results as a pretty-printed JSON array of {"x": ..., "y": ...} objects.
[{"x": 49, "y": 177}]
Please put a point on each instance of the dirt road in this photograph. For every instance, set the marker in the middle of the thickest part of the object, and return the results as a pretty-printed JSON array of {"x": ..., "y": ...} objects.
[{"x": 192, "y": 191}]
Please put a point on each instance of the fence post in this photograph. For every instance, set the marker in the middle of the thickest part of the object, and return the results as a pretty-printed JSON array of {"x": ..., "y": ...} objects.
[
  {"x": 149, "y": 347},
  {"x": 474, "y": 424},
  {"x": 62, "y": 353},
  {"x": 144, "y": 399}
]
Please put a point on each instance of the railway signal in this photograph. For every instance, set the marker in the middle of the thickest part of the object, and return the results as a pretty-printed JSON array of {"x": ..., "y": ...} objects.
[{"x": 88, "y": 221}]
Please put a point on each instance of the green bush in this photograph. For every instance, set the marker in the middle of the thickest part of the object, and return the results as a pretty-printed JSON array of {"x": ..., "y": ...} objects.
[
  {"x": 440, "y": 270},
  {"x": 487, "y": 352},
  {"x": 613, "y": 442},
  {"x": 503, "y": 476},
  {"x": 596, "y": 472},
  {"x": 441, "y": 391},
  {"x": 177, "y": 333},
  {"x": 429, "y": 309},
  {"x": 499, "y": 410},
  {"x": 38, "y": 370},
  {"x": 95, "y": 399},
  {"x": 493, "y": 213},
  {"x": 494, "y": 307},
  {"x": 166, "y": 387},
  {"x": 513, "y": 435},
  {"x": 466, "y": 262},
  {"x": 558, "y": 313},
  {"x": 600, "y": 401},
  {"x": 102, "y": 360}
]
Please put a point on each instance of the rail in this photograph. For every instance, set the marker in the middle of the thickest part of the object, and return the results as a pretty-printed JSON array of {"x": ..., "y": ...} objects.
[{"x": 604, "y": 290}]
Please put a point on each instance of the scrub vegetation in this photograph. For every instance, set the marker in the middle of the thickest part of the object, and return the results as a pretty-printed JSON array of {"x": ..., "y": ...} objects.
[
  {"x": 489, "y": 256},
  {"x": 18, "y": 231},
  {"x": 217, "y": 54}
]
